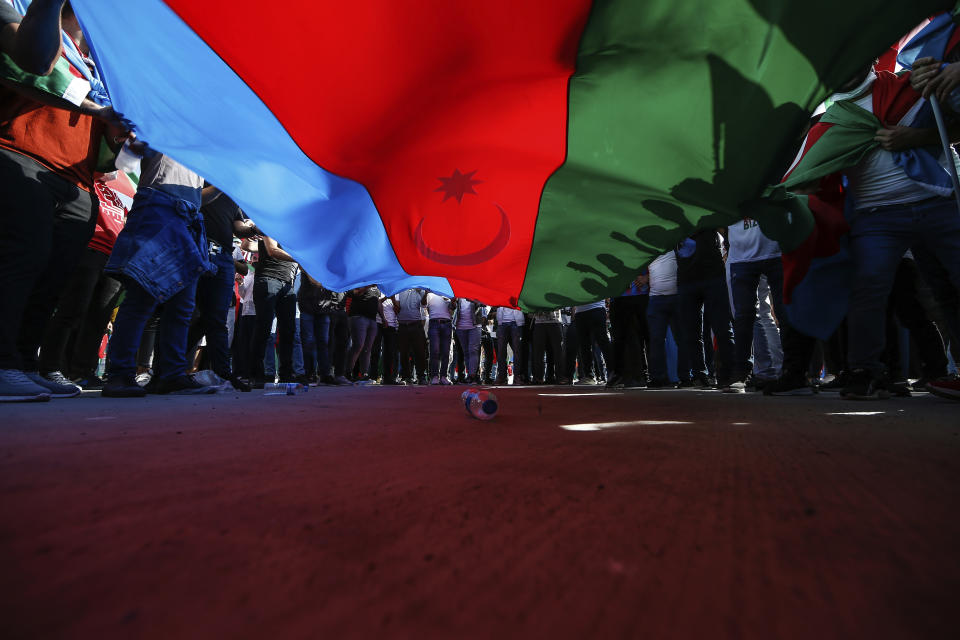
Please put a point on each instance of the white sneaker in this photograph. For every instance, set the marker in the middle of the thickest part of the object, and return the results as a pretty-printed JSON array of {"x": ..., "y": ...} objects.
[
  {"x": 15, "y": 386},
  {"x": 55, "y": 383},
  {"x": 435, "y": 380},
  {"x": 444, "y": 380}
]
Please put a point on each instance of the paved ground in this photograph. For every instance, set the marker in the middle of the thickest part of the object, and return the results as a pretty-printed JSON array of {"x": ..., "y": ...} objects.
[{"x": 386, "y": 512}]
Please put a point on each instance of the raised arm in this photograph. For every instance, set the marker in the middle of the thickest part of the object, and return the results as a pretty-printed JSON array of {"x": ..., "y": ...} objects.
[{"x": 34, "y": 43}]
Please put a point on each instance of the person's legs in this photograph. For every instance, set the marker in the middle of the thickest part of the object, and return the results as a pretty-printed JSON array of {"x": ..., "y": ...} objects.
[
  {"x": 912, "y": 316},
  {"x": 71, "y": 308},
  {"x": 744, "y": 280},
  {"x": 581, "y": 323},
  {"x": 339, "y": 338},
  {"x": 86, "y": 346},
  {"x": 308, "y": 341},
  {"x": 27, "y": 210},
  {"x": 716, "y": 308},
  {"x": 877, "y": 242},
  {"x": 420, "y": 351},
  {"x": 657, "y": 319},
  {"x": 555, "y": 341},
  {"x": 265, "y": 292},
  {"x": 446, "y": 331},
  {"x": 405, "y": 341},
  {"x": 502, "y": 339},
  {"x": 597, "y": 322},
  {"x": 132, "y": 317},
  {"x": 286, "y": 330},
  {"x": 367, "y": 336},
  {"x": 690, "y": 311},
  {"x": 174, "y": 324},
  {"x": 72, "y": 228},
  {"x": 214, "y": 294},
  {"x": 539, "y": 347},
  {"x": 433, "y": 331},
  {"x": 391, "y": 354},
  {"x": 358, "y": 329},
  {"x": 321, "y": 331}
]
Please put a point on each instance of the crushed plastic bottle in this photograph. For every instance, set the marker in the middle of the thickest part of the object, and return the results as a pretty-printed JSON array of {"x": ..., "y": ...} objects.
[{"x": 284, "y": 388}]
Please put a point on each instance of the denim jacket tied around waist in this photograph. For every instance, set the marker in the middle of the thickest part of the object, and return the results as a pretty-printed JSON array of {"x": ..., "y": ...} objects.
[{"x": 163, "y": 246}]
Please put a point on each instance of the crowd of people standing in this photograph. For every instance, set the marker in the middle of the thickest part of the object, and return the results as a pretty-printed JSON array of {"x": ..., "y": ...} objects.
[{"x": 185, "y": 281}]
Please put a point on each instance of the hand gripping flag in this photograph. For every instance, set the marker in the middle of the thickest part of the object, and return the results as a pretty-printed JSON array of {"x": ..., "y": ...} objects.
[{"x": 533, "y": 154}]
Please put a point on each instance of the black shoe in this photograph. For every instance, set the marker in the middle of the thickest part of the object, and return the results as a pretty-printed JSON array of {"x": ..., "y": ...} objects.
[
  {"x": 241, "y": 384},
  {"x": 183, "y": 386},
  {"x": 864, "y": 385},
  {"x": 837, "y": 384},
  {"x": 630, "y": 383},
  {"x": 900, "y": 388},
  {"x": 89, "y": 381},
  {"x": 701, "y": 381},
  {"x": 257, "y": 383},
  {"x": 661, "y": 384},
  {"x": 615, "y": 382},
  {"x": 120, "y": 387},
  {"x": 153, "y": 386},
  {"x": 789, "y": 385}
]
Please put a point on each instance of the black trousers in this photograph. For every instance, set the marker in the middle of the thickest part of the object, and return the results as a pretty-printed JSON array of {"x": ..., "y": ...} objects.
[
  {"x": 274, "y": 298},
  {"x": 82, "y": 314},
  {"x": 243, "y": 344},
  {"x": 47, "y": 222},
  {"x": 543, "y": 334},
  {"x": 391, "y": 353},
  {"x": 905, "y": 306},
  {"x": 487, "y": 348},
  {"x": 591, "y": 328},
  {"x": 412, "y": 338},
  {"x": 628, "y": 322}
]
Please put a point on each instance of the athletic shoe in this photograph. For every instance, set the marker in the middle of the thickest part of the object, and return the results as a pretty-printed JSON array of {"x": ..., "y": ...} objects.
[
  {"x": 118, "y": 387},
  {"x": 630, "y": 383},
  {"x": 15, "y": 386},
  {"x": 184, "y": 385},
  {"x": 341, "y": 381},
  {"x": 740, "y": 386},
  {"x": 55, "y": 383},
  {"x": 837, "y": 384},
  {"x": 685, "y": 383},
  {"x": 789, "y": 385},
  {"x": 444, "y": 381},
  {"x": 863, "y": 385},
  {"x": 615, "y": 382},
  {"x": 435, "y": 380},
  {"x": 587, "y": 381},
  {"x": 701, "y": 381},
  {"x": 143, "y": 378},
  {"x": 241, "y": 384},
  {"x": 88, "y": 382},
  {"x": 945, "y": 388},
  {"x": 899, "y": 388}
]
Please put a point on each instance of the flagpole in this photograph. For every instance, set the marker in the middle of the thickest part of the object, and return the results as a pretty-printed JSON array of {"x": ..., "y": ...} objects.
[{"x": 945, "y": 141}]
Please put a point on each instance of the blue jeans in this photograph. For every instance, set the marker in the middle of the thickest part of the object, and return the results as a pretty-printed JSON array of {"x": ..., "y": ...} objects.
[
  {"x": 363, "y": 331},
  {"x": 470, "y": 343},
  {"x": 214, "y": 293},
  {"x": 696, "y": 300},
  {"x": 767, "y": 348},
  {"x": 878, "y": 239},
  {"x": 744, "y": 282},
  {"x": 137, "y": 308},
  {"x": 664, "y": 312},
  {"x": 439, "y": 332}
]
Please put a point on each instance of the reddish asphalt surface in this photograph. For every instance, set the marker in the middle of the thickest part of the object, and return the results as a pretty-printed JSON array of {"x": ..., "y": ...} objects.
[{"x": 375, "y": 512}]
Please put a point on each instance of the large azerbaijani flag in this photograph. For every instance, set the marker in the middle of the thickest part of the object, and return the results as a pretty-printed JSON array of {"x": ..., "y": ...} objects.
[{"x": 533, "y": 153}]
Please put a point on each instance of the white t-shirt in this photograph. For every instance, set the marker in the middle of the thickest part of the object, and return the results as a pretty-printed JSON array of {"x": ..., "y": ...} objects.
[
  {"x": 748, "y": 244},
  {"x": 388, "y": 313},
  {"x": 877, "y": 181},
  {"x": 663, "y": 275},
  {"x": 506, "y": 315},
  {"x": 246, "y": 295},
  {"x": 438, "y": 307}
]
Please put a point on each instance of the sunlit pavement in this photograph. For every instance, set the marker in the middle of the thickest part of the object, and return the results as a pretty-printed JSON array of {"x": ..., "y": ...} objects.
[{"x": 387, "y": 512}]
